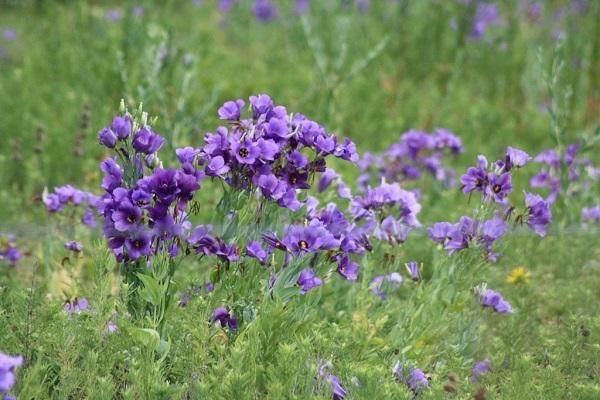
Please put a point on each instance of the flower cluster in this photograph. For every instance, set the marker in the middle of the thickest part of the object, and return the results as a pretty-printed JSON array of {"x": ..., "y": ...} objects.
[
  {"x": 9, "y": 251},
  {"x": 76, "y": 305},
  {"x": 549, "y": 177},
  {"x": 8, "y": 364},
  {"x": 272, "y": 151},
  {"x": 591, "y": 214},
  {"x": 492, "y": 299},
  {"x": 415, "y": 154},
  {"x": 413, "y": 378},
  {"x": 67, "y": 195},
  {"x": 337, "y": 390}
]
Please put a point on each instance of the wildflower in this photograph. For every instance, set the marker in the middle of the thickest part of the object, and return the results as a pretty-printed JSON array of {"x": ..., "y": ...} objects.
[
  {"x": 313, "y": 238},
  {"x": 347, "y": 268},
  {"x": 76, "y": 305},
  {"x": 476, "y": 178},
  {"x": 518, "y": 275},
  {"x": 493, "y": 299},
  {"x": 480, "y": 368},
  {"x": 8, "y": 364},
  {"x": 485, "y": 15},
  {"x": 515, "y": 158},
  {"x": 308, "y": 280},
  {"x": 265, "y": 10},
  {"x": 381, "y": 284},
  {"x": 225, "y": 318},
  {"x": 231, "y": 110},
  {"x": 539, "y": 215},
  {"x": 107, "y": 138},
  {"x": 10, "y": 34},
  {"x": 499, "y": 186},
  {"x": 74, "y": 246},
  {"x": 9, "y": 250},
  {"x": 415, "y": 379},
  {"x": 114, "y": 15},
  {"x": 147, "y": 142},
  {"x": 591, "y": 214},
  {"x": 338, "y": 391},
  {"x": 255, "y": 250},
  {"x": 413, "y": 269}
]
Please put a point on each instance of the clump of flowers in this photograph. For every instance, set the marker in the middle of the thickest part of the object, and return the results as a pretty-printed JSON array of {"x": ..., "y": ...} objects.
[
  {"x": 272, "y": 151},
  {"x": 494, "y": 183},
  {"x": 9, "y": 252},
  {"x": 8, "y": 364},
  {"x": 76, "y": 305},
  {"x": 413, "y": 378},
  {"x": 68, "y": 195},
  {"x": 493, "y": 299},
  {"x": 417, "y": 153}
]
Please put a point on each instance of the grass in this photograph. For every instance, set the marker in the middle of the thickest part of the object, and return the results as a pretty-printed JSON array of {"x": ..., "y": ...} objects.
[{"x": 367, "y": 76}]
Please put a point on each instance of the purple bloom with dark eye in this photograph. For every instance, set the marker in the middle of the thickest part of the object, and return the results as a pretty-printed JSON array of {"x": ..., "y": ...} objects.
[
  {"x": 225, "y": 318},
  {"x": 138, "y": 245},
  {"x": 126, "y": 217},
  {"x": 476, "y": 178},
  {"x": 539, "y": 215},
  {"x": 493, "y": 299},
  {"x": 255, "y": 250},
  {"x": 107, "y": 138},
  {"x": 347, "y": 268},
  {"x": 308, "y": 280},
  {"x": 8, "y": 364},
  {"x": 217, "y": 167},
  {"x": 413, "y": 269},
  {"x": 147, "y": 142},
  {"x": 309, "y": 239},
  {"x": 76, "y": 305},
  {"x": 499, "y": 187},
  {"x": 480, "y": 368},
  {"x": 265, "y": 10},
  {"x": 74, "y": 246},
  {"x": 246, "y": 152},
  {"x": 121, "y": 126},
  {"x": 515, "y": 158},
  {"x": 231, "y": 110},
  {"x": 326, "y": 178},
  {"x": 261, "y": 104}
]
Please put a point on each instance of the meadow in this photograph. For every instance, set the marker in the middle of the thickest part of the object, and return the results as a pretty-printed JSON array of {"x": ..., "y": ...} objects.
[{"x": 255, "y": 199}]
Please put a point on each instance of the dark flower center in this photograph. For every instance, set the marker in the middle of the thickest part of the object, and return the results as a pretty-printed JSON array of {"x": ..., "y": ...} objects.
[
  {"x": 131, "y": 219},
  {"x": 244, "y": 152},
  {"x": 138, "y": 244},
  {"x": 497, "y": 188},
  {"x": 293, "y": 179},
  {"x": 303, "y": 244}
]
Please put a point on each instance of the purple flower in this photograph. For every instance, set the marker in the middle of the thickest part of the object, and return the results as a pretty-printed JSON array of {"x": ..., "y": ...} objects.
[
  {"x": 440, "y": 232},
  {"x": 138, "y": 245},
  {"x": 539, "y": 215},
  {"x": 76, "y": 305},
  {"x": 74, "y": 246},
  {"x": 246, "y": 152},
  {"x": 363, "y": 5},
  {"x": 380, "y": 284},
  {"x": 261, "y": 104},
  {"x": 485, "y": 15},
  {"x": 515, "y": 158},
  {"x": 308, "y": 280},
  {"x": 493, "y": 299},
  {"x": 8, "y": 364},
  {"x": 10, "y": 34},
  {"x": 476, "y": 178},
  {"x": 326, "y": 178},
  {"x": 114, "y": 15},
  {"x": 301, "y": 7},
  {"x": 309, "y": 239},
  {"x": 336, "y": 386},
  {"x": 591, "y": 214},
  {"x": 549, "y": 157},
  {"x": 231, "y": 110},
  {"x": 491, "y": 231},
  {"x": 265, "y": 10},
  {"x": 499, "y": 187},
  {"x": 113, "y": 175},
  {"x": 121, "y": 126},
  {"x": 255, "y": 250},
  {"x": 444, "y": 139},
  {"x": 392, "y": 230},
  {"x": 126, "y": 218},
  {"x": 347, "y": 268},
  {"x": 225, "y": 318},
  {"x": 147, "y": 142},
  {"x": 413, "y": 269},
  {"x": 8, "y": 249},
  {"x": 107, "y": 138},
  {"x": 217, "y": 167},
  {"x": 415, "y": 379},
  {"x": 480, "y": 368}
]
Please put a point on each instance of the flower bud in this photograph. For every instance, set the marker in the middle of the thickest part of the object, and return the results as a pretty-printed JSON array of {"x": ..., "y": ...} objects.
[{"x": 107, "y": 138}]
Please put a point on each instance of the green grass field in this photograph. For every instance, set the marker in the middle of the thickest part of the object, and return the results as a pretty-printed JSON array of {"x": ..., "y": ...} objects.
[{"x": 513, "y": 73}]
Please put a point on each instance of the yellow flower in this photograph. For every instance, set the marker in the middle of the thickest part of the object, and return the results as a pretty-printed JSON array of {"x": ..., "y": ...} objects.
[{"x": 518, "y": 276}]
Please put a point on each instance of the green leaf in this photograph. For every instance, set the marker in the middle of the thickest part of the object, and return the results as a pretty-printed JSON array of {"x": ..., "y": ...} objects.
[{"x": 152, "y": 291}]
